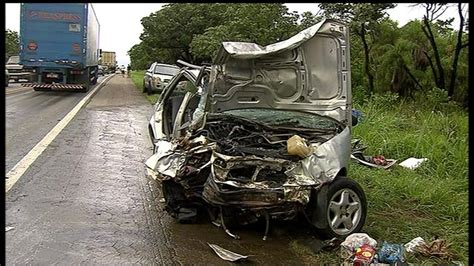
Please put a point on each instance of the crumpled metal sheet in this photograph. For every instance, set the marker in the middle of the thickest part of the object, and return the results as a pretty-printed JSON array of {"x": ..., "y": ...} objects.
[
  {"x": 245, "y": 50},
  {"x": 325, "y": 162},
  {"x": 226, "y": 254},
  {"x": 167, "y": 161}
]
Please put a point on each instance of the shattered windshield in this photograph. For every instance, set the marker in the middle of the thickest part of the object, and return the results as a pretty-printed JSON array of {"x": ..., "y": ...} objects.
[{"x": 286, "y": 118}]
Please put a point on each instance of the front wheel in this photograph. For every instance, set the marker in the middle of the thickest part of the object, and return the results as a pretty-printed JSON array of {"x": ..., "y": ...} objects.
[
  {"x": 340, "y": 210},
  {"x": 149, "y": 90}
]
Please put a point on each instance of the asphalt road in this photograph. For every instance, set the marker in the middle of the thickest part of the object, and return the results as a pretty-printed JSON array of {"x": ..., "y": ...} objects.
[
  {"x": 86, "y": 198},
  {"x": 30, "y": 115}
]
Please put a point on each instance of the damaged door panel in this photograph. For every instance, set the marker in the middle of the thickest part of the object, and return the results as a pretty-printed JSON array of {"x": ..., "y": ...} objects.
[{"x": 267, "y": 131}]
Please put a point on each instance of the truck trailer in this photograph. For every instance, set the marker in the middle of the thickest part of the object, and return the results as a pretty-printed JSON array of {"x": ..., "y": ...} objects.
[
  {"x": 59, "y": 43},
  {"x": 108, "y": 60}
]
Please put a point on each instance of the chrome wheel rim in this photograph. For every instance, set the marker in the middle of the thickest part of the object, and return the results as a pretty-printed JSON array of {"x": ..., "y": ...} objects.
[{"x": 344, "y": 211}]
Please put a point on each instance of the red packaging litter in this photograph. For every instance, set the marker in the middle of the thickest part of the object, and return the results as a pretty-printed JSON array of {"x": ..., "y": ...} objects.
[{"x": 364, "y": 255}]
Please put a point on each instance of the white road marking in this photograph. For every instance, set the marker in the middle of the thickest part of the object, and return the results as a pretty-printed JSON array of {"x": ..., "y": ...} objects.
[{"x": 20, "y": 168}]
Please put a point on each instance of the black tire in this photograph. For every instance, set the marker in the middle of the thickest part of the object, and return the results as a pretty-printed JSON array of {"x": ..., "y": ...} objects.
[
  {"x": 85, "y": 88},
  {"x": 95, "y": 76},
  {"x": 349, "y": 217},
  {"x": 94, "y": 81},
  {"x": 149, "y": 91},
  {"x": 144, "y": 89}
]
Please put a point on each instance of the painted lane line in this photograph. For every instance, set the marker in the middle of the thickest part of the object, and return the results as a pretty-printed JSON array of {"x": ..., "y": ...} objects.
[{"x": 20, "y": 168}]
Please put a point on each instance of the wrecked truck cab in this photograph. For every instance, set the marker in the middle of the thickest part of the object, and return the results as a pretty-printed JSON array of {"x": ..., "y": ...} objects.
[{"x": 267, "y": 136}]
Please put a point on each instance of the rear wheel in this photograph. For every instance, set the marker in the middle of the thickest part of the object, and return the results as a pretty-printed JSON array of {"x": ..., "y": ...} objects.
[
  {"x": 144, "y": 87},
  {"x": 94, "y": 73},
  {"x": 85, "y": 88},
  {"x": 342, "y": 209}
]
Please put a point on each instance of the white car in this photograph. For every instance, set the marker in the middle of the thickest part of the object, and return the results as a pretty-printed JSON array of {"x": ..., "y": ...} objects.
[{"x": 158, "y": 76}]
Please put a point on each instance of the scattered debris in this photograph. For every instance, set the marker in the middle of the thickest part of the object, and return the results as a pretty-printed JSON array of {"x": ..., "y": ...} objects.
[
  {"x": 355, "y": 241},
  {"x": 413, "y": 244},
  {"x": 412, "y": 163},
  {"x": 377, "y": 161},
  {"x": 437, "y": 248},
  {"x": 226, "y": 254},
  {"x": 391, "y": 253},
  {"x": 8, "y": 228},
  {"x": 364, "y": 255},
  {"x": 359, "y": 248}
]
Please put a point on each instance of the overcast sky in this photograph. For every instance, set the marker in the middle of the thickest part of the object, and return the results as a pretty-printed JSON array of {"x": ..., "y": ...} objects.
[{"x": 121, "y": 27}]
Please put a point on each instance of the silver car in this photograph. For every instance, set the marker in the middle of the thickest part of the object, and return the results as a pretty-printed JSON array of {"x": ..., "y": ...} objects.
[
  {"x": 263, "y": 133},
  {"x": 158, "y": 76}
]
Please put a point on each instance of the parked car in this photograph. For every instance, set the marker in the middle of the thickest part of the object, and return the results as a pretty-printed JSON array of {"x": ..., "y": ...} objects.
[
  {"x": 16, "y": 70},
  {"x": 7, "y": 77},
  {"x": 265, "y": 132},
  {"x": 158, "y": 76}
]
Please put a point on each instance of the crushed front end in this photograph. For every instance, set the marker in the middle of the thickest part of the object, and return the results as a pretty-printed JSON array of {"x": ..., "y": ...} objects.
[{"x": 237, "y": 167}]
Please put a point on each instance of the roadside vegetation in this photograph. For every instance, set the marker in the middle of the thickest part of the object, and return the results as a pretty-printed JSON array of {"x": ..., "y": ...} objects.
[
  {"x": 410, "y": 82},
  {"x": 430, "y": 201},
  {"x": 137, "y": 78}
]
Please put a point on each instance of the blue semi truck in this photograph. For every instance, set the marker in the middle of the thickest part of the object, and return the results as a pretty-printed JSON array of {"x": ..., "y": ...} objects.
[{"x": 59, "y": 43}]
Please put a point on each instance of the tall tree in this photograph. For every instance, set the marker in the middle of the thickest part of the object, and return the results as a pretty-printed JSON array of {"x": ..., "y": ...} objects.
[
  {"x": 244, "y": 22},
  {"x": 308, "y": 19},
  {"x": 363, "y": 20},
  {"x": 171, "y": 29},
  {"x": 139, "y": 57},
  {"x": 12, "y": 43},
  {"x": 457, "y": 51},
  {"x": 193, "y": 32},
  {"x": 432, "y": 12}
]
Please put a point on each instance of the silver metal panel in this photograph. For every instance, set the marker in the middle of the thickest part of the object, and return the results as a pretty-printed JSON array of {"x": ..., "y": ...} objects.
[
  {"x": 321, "y": 58},
  {"x": 308, "y": 72}
]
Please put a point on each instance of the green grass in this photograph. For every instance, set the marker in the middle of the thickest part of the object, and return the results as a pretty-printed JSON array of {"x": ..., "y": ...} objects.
[
  {"x": 429, "y": 201},
  {"x": 137, "y": 78}
]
